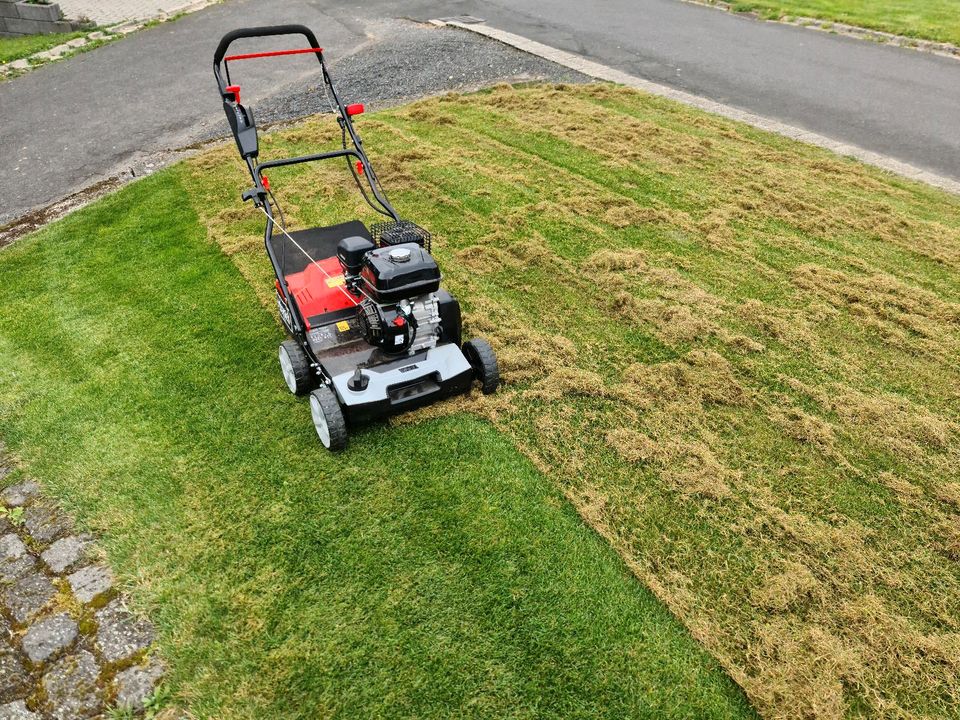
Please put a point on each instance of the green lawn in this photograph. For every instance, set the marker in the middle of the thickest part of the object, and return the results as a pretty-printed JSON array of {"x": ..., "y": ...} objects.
[
  {"x": 430, "y": 571},
  {"x": 927, "y": 19},
  {"x": 735, "y": 356},
  {"x": 14, "y": 48}
]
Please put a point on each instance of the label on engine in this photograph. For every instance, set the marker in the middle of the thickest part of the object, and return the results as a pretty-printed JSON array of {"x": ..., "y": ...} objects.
[{"x": 343, "y": 326}]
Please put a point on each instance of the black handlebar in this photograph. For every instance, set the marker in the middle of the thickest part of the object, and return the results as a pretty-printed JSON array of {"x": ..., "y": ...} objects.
[
  {"x": 245, "y": 132},
  {"x": 266, "y": 31}
]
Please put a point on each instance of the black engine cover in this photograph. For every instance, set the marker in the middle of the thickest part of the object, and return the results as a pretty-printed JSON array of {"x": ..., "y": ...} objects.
[
  {"x": 398, "y": 272},
  {"x": 385, "y": 328}
]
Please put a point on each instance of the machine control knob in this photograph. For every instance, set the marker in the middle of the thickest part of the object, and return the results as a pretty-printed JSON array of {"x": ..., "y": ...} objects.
[{"x": 358, "y": 381}]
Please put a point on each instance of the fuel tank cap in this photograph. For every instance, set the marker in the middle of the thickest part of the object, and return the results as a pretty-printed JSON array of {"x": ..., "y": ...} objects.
[{"x": 400, "y": 255}]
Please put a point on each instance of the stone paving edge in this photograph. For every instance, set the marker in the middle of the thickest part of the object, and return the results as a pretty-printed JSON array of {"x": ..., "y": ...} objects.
[{"x": 69, "y": 647}]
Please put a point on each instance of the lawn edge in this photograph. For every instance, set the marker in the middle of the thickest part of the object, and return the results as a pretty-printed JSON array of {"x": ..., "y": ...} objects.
[{"x": 919, "y": 43}]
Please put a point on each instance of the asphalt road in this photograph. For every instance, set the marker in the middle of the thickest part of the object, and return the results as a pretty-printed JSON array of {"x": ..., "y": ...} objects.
[
  {"x": 73, "y": 122},
  {"x": 894, "y": 101}
]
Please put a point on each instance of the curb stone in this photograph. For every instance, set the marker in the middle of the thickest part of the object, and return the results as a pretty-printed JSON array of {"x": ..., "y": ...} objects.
[
  {"x": 67, "y": 49},
  {"x": 120, "y": 634},
  {"x": 91, "y": 583},
  {"x": 65, "y": 553},
  {"x": 45, "y": 524},
  {"x": 20, "y": 494},
  {"x": 14, "y": 678},
  {"x": 48, "y": 637},
  {"x": 17, "y": 710},
  {"x": 27, "y": 597},
  {"x": 135, "y": 684},
  {"x": 60, "y": 656},
  {"x": 71, "y": 686},
  {"x": 115, "y": 31}
]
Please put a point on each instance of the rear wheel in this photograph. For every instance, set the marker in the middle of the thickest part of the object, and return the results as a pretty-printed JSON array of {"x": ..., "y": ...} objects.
[
  {"x": 328, "y": 418},
  {"x": 295, "y": 366},
  {"x": 483, "y": 360}
]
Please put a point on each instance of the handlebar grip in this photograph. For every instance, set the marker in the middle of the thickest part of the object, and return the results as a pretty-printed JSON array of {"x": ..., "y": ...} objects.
[{"x": 266, "y": 31}]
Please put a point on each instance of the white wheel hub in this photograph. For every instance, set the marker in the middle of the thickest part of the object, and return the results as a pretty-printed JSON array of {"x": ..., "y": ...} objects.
[
  {"x": 320, "y": 421},
  {"x": 286, "y": 367}
]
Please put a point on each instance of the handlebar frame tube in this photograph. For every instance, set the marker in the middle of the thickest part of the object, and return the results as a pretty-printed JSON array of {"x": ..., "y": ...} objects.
[{"x": 220, "y": 59}]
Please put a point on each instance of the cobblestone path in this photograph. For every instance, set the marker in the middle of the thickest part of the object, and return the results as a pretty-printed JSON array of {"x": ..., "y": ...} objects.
[{"x": 69, "y": 648}]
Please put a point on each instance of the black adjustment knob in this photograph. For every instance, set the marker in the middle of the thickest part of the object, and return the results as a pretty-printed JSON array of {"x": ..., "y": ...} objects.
[{"x": 358, "y": 382}]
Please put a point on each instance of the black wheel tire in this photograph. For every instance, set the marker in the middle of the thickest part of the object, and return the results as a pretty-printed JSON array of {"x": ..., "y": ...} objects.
[
  {"x": 295, "y": 367},
  {"x": 483, "y": 360},
  {"x": 328, "y": 419}
]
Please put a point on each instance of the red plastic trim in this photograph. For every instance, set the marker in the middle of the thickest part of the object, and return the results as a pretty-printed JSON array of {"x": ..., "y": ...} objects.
[
  {"x": 235, "y": 89},
  {"x": 273, "y": 53},
  {"x": 316, "y": 290},
  {"x": 354, "y": 109}
]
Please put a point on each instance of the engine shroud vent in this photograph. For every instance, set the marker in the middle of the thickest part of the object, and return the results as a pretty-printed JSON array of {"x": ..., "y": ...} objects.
[{"x": 400, "y": 231}]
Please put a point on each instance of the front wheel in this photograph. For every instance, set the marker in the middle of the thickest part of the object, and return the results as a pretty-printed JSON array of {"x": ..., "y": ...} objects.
[
  {"x": 484, "y": 363},
  {"x": 295, "y": 366},
  {"x": 328, "y": 418}
]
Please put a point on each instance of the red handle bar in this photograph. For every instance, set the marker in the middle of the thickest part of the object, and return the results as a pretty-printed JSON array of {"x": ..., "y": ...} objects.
[{"x": 274, "y": 53}]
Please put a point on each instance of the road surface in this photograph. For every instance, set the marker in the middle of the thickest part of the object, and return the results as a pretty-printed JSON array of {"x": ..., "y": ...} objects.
[{"x": 72, "y": 123}]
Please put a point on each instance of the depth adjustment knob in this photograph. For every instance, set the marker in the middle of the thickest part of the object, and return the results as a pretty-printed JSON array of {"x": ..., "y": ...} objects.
[{"x": 359, "y": 381}]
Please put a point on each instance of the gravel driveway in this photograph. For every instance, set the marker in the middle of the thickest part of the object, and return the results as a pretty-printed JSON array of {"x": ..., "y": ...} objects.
[{"x": 410, "y": 60}]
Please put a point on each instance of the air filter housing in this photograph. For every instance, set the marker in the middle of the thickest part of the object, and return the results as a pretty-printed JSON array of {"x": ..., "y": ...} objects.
[
  {"x": 350, "y": 252},
  {"x": 397, "y": 232}
]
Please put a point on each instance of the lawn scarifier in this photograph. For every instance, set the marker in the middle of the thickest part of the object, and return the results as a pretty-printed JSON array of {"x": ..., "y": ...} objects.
[{"x": 344, "y": 289}]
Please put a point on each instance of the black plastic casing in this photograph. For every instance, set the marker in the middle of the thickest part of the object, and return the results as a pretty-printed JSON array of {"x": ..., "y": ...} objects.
[
  {"x": 450, "y": 322},
  {"x": 244, "y": 128},
  {"x": 350, "y": 252},
  {"x": 387, "y": 282}
]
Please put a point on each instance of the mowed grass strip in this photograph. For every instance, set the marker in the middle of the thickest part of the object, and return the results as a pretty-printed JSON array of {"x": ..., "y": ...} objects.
[
  {"x": 736, "y": 355},
  {"x": 926, "y": 19},
  {"x": 429, "y": 571}
]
